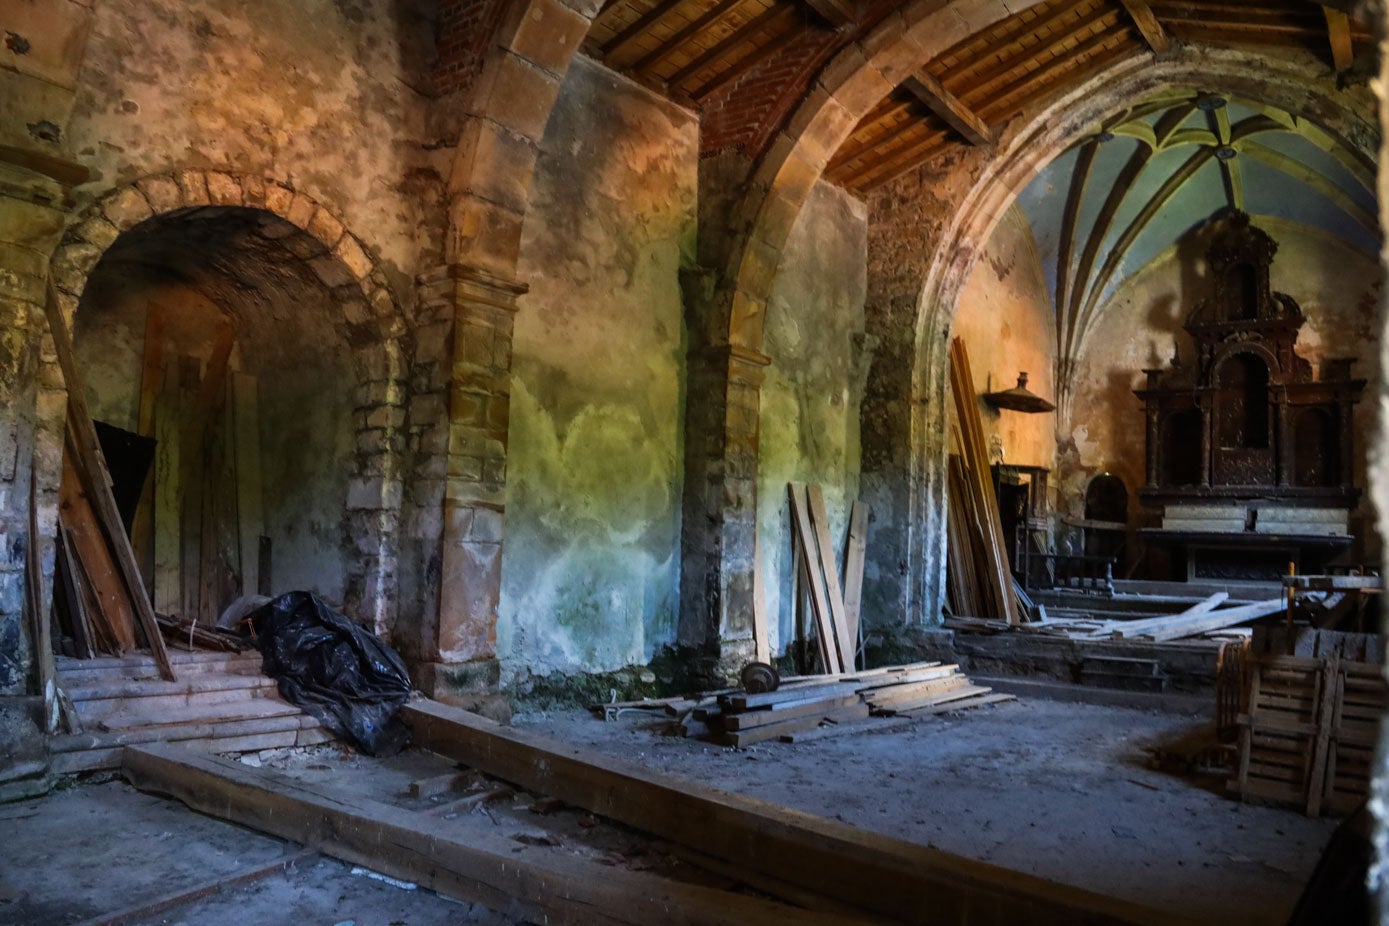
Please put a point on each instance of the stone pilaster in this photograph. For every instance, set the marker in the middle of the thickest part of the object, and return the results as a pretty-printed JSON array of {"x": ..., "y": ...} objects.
[
  {"x": 720, "y": 506},
  {"x": 461, "y": 656}
]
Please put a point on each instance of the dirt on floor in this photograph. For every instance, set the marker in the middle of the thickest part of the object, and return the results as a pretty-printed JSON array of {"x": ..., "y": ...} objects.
[{"x": 1060, "y": 790}]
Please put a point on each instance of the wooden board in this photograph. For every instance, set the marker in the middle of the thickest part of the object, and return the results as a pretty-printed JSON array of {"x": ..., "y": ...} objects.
[
  {"x": 99, "y": 570},
  {"x": 761, "y": 636},
  {"x": 820, "y": 523},
  {"x": 893, "y": 878},
  {"x": 995, "y": 576},
  {"x": 807, "y": 548},
  {"x": 97, "y": 483},
  {"x": 168, "y": 496},
  {"x": 41, "y": 636},
  {"x": 760, "y": 734},
  {"x": 855, "y": 551},
  {"x": 530, "y": 883},
  {"x": 151, "y": 380}
]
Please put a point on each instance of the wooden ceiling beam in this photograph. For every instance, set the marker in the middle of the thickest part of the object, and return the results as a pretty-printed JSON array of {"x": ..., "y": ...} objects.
[
  {"x": 980, "y": 83},
  {"x": 1038, "y": 78},
  {"x": 1233, "y": 24},
  {"x": 838, "y": 13},
  {"x": 721, "y": 50},
  {"x": 1338, "y": 33},
  {"x": 640, "y": 26},
  {"x": 946, "y": 106},
  {"x": 707, "y": 20},
  {"x": 877, "y": 170},
  {"x": 849, "y": 153},
  {"x": 1016, "y": 29},
  {"x": 1147, "y": 24}
]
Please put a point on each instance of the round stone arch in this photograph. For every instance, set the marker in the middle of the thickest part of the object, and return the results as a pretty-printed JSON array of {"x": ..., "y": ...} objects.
[
  {"x": 1300, "y": 88},
  {"x": 367, "y": 316}
]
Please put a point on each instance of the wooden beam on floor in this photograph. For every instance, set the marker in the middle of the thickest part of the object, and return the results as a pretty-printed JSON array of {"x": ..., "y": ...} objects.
[
  {"x": 948, "y": 107},
  {"x": 906, "y": 882},
  {"x": 533, "y": 884},
  {"x": 1147, "y": 24}
]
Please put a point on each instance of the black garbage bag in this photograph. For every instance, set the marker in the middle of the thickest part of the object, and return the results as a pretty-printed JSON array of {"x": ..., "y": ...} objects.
[{"x": 337, "y": 671}]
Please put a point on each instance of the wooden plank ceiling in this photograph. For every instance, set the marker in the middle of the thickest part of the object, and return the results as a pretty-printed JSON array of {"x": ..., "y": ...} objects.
[{"x": 690, "y": 49}]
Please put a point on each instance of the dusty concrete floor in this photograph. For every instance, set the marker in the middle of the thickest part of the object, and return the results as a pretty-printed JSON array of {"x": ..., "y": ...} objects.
[{"x": 1060, "y": 790}]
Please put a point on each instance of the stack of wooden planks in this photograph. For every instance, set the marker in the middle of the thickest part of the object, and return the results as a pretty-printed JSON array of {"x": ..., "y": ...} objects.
[
  {"x": 841, "y": 701},
  {"x": 979, "y": 579},
  {"x": 834, "y": 608},
  {"x": 1309, "y": 737}
]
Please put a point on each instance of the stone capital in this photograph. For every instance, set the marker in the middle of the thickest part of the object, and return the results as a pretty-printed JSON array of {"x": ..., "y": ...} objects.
[{"x": 471, "y": 289}]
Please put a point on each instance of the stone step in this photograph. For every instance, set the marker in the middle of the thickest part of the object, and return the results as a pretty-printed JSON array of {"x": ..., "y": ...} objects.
[
  {"x": 140, "y": 666},
  {"x": 158, "y": 688},
  {"x": 83, "y": 753},
  {"x": 173, "y": 697},
  {"x": 1131, "y": 666},
  {"x": 135, "y": 713}
]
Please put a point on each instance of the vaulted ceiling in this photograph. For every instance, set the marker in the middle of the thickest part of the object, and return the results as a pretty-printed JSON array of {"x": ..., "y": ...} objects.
[{"x": 1147, "y": 176}]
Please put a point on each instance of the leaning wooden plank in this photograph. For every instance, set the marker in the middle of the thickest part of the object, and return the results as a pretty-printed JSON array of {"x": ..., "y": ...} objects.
[
  {"x": 151, "y": 368},
  {"x": 112, "y": 612},
  {"x": 530, "y": 883},
  {"x": 66, "y": 585},
  {"x": 1133, "y": 628},
  {"x": 41, "y": 636},
  {"x": 810, "y": 562},
  {"x": 891, "y": 877},
  {"x": 998, "y": 580},
  {"x": 97, "y": 481},
  {"x": 249, "y": 493},
  {"x": 168, "y": 495},
  {"x": 855, "y": 552},
  {"x": 820, "y": 523}
]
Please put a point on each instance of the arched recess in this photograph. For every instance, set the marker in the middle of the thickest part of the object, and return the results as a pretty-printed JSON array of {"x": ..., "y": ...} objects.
[
  {"x": 1026, "y": 147},
  {"x": 296, "y": 302}
]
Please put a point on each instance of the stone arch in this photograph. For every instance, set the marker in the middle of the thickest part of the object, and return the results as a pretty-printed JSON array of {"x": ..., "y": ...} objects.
[
  {"x": 369, "y": 319},
  {"x": 508, "y": 108},
  {"x": 855, "y": 81},
  {"x": 1027, "y": 146}
]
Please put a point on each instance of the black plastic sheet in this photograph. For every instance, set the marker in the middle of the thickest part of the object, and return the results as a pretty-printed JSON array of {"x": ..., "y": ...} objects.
[{"x": 335, "y": 670}]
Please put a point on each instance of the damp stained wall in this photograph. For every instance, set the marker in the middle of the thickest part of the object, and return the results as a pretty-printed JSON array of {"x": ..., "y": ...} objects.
[
  {"x": 809, "y": 416},
  {"x": 305, "y": 400},
  {"x": 319, "y": 94},
  {"x": 1006, "y": 320},
  {"x": 591, "y": 553},
  {"x": 1338, "y": 287}
]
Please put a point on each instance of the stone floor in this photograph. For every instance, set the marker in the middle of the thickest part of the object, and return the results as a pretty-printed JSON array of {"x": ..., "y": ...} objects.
[{"x": 1063, "y": 791}]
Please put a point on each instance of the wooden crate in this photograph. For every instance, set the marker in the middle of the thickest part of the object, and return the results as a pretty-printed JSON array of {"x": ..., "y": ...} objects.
[{"x": 1309, "y": 736}]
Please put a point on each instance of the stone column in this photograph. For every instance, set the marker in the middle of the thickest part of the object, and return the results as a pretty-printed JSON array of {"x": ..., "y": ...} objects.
[
  {"x": 462, "y": 654},
  {"x": 719, "y": 530}
]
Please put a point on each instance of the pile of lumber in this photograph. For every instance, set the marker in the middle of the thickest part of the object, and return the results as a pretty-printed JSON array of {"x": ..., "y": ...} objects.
[
  {"x": 1201, "y": 619},
  {"x": 842, "y": 702},
  {"x": 105, "y": 602},
  {"x": 833, "y": 607},
  {"x": 978, "y": 576},
  {"x": 1309, "y": 737}
]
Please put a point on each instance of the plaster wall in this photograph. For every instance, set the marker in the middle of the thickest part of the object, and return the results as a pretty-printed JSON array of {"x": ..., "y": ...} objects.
[
  {"x": 590, "y": 566},
  {"x": 1338, "y": 288},
  {"x": 305, "y": 404},
  {"x": 1006, "y": 320},
  {"x": 809, "y": 415},
  {"x": 320, "y": 94}
]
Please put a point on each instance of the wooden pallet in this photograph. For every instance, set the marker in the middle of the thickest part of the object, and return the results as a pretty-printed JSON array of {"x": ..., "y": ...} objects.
[{"x": 1308, "y": 738}]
